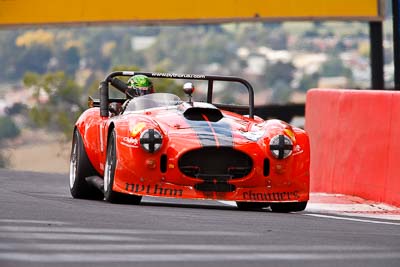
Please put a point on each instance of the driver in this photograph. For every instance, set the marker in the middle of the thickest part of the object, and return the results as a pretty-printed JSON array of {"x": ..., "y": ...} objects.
[{"x": 139, "y": 85}]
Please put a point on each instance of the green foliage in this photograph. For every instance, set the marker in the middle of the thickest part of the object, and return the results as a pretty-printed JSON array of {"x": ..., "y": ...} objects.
[
  {"x": 70, "y": 60},
  {"x": 187, "y": 49},
  {"x": 40, "y": 116},
  {"x": 4, "y": 160},
  {"x": 271, "y": 35},
  {"x": 281, "y": 92},
  {"x": 125, "y": 67},
  {"x": 16, "y": 108},
  {"x": 8, "y": 129},
  {"x": 59, "y": 101},
  {"x": 308, "y": 81},
  {"x": 34, "y": 58},
  {"x": 334, "y": 67},
  {"x": 279, "y": 72},
  {"x": 190, "y": 48}
]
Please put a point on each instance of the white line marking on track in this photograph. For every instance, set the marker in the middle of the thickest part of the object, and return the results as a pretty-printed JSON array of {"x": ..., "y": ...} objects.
[
  {"x": 356, "y": 210},
  {"x": 69, "y": 236},
  {"x": 350, "y": 219},
  {"x": 348, "y": 207},
  {"x": 69, "y": 247},
  {"x": 78, "y": 230},
  {"x": 32, "y": 221},
  {"x": 191, "y": 257}
]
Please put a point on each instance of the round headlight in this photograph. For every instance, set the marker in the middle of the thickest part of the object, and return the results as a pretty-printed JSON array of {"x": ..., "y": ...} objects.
[
  {"x": 281, "y": 146},
  {"x": 151, "y": 140}
]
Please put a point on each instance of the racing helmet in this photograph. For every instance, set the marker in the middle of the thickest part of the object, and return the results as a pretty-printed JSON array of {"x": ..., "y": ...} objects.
[{"x": 141, "y": 85}]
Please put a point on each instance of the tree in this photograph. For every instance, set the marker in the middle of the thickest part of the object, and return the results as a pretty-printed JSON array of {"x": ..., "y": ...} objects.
[
  {"x": 70, "y": 60},
  {"x": 35, "y": 51},
  {"x": 33, "y": 59},
  {"x": 334, "y": 67},
  {"x": 281, "y": 92},
  {"x": 308, "y": 81},
  {"x": 4, "y": 161},
  {"x": 8, "y": 55},
  {"x": 279, "y": 72},
  {"x": 59, "y": 101},
  {"x": 8, "y": 129},
  {"x": 15, "y": 109}
]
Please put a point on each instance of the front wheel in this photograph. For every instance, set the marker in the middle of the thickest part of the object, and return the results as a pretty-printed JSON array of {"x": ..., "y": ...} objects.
[
  {"x": 109, "y": 172},
  {"x": 288, "y": 207}
]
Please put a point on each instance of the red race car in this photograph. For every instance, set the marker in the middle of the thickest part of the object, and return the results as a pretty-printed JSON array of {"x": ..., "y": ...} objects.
[{"x": 160, "y": 145}]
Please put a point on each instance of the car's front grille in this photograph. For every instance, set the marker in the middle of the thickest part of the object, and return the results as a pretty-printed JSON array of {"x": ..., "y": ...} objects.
[{"x": 216, "y": 166}]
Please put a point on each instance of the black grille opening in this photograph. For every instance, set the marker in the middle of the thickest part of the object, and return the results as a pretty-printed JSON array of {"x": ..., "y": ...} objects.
[
  {"x": 266, "y": 167},
  {"x": 215, "y": 187},
  {"x": 163, "y": 163},
  {"x": 215, "y": 164}
]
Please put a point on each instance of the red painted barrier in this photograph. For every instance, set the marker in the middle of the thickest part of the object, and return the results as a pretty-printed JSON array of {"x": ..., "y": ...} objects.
[{"x": 355, "y": 143}]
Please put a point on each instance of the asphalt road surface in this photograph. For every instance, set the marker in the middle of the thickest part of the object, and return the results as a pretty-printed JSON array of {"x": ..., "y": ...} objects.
[{"x": 41, "y": 225}]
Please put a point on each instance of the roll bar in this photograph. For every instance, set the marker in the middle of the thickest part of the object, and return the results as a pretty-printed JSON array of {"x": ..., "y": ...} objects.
[{"x": 121, "y": 86}]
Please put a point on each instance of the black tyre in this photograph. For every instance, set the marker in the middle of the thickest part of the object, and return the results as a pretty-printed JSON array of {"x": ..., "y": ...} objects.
[
  {"x": 109, "y": 171},
  {"x": 251, "y": 205},
  {"x": 80, "y": 168},
  {"x": 288, "y": 207}
]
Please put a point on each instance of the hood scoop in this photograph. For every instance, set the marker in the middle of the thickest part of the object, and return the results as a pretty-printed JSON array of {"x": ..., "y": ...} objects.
[{"x": 203, "y": 114}]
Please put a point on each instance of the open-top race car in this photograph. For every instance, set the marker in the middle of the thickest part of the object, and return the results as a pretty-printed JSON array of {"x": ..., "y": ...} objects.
[{"x": 160, "y": 145}]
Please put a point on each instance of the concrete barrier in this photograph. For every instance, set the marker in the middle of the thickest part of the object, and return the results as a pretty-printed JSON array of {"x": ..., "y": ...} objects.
[{"x": 355, "y": 143}]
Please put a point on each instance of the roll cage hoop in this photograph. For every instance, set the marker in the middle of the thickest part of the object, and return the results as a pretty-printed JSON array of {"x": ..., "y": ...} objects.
[{"x": 121, "y": 86}]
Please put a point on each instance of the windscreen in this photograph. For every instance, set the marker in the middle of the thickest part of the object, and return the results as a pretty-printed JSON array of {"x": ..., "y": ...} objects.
[{"x": 153, "y": 101}]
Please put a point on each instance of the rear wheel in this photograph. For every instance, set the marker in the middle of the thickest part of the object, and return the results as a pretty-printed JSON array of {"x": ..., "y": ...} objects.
[
  {"x": 109, "y": 171},
  {"x": 80, "y": 168},
  {"x": 288, "y": 207}
]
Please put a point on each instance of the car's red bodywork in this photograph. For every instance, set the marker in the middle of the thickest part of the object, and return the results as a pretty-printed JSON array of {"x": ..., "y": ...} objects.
[{"x": 205, "y": 153}]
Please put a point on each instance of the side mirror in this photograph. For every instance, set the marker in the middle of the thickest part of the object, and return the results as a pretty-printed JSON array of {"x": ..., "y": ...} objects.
[{"x": 188, "y": 89}]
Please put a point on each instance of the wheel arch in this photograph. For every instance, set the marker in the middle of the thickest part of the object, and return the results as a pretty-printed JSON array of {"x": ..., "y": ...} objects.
[
  {"x": 80, "y": 169},
  {"x": 111, "y": 127}
]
